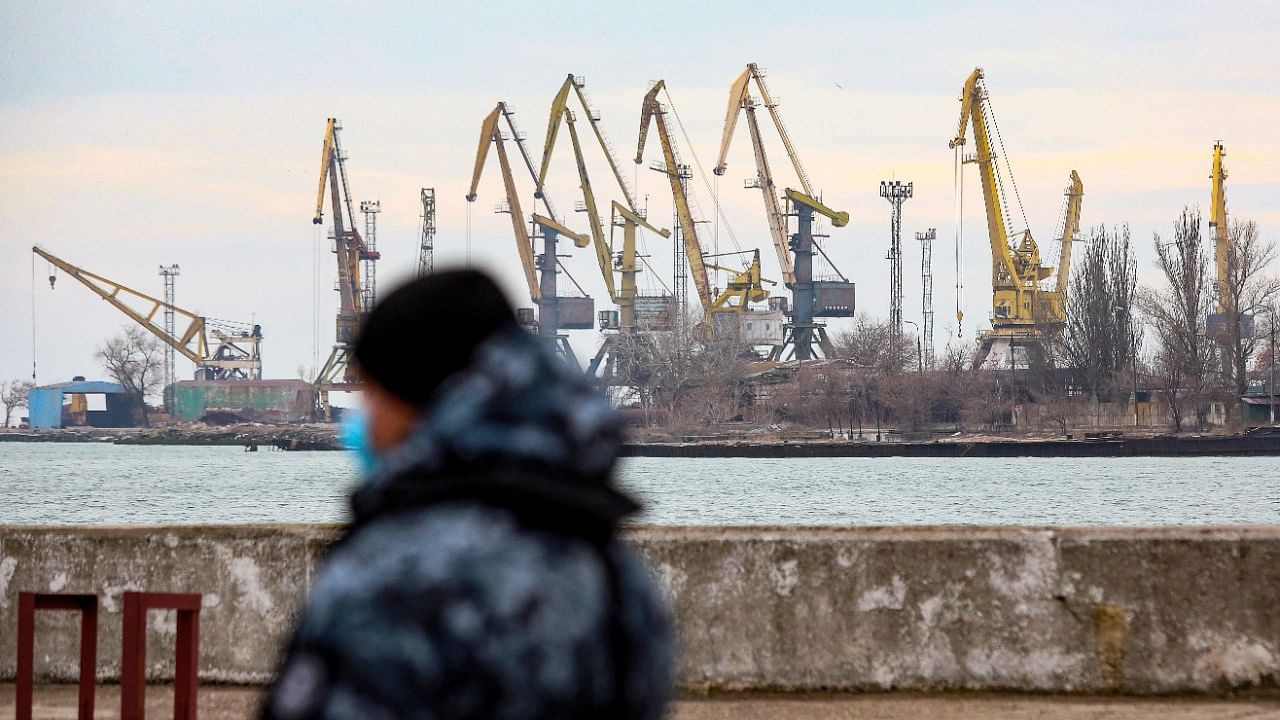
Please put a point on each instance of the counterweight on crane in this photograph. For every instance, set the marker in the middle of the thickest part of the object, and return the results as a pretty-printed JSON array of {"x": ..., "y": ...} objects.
[
  {"x": 540, "y": 272},
  {"x": 810, "y": 299},
  {"x": 235, "y": 352},
  {"x": 355, "y": 297},
  {"x": 1023, "y": 312}
]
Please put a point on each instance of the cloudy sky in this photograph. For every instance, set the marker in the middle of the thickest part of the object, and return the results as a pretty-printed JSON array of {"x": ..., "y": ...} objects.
[{"x": 141, "y": 134}]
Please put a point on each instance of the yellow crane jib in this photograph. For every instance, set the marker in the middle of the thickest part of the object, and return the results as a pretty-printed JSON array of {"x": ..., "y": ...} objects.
[
  {"x": 1070, "y": 228},
  {"x": 235, "y": 355},
  {"x": 489, "y": 134},
  {"x": 1218, "y": 223},
  {"x": 325, "y": 154}
]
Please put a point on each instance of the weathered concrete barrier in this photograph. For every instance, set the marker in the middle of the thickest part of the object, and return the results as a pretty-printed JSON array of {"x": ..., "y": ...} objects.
[{"x": 1061, "y": 610}]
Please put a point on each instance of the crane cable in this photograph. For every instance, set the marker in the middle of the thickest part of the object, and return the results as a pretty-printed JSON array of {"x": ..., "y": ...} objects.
[
  {"x": 33, "y": 319},
  {"x": 315, "y": 300},
  {"x": 468, "y": 235},
  {"x": 1005, "y": 157},
  {"x": 958, "y": 191},
  {"x": 702, "y": 173}
]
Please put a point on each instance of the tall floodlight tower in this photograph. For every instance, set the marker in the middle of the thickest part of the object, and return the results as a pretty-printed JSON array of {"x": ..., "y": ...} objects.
[
  {"x": 370, "y": 208},
  {"x": 169, "y": 272},
  {"x": 896, "y": 193},
  {"x": 926, "y": 290},
  {"x": 427, "y": 244}
]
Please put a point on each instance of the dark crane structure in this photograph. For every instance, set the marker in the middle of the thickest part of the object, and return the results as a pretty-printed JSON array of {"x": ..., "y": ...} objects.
[{"x": 355, "y": 260}]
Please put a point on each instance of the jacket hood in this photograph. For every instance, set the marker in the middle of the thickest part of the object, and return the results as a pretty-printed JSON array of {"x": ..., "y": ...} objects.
[{"x": 517, "y": 428}]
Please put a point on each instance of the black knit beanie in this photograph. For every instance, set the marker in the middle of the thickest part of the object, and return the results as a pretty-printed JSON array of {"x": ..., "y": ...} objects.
[{"x": 429, "y": 329}]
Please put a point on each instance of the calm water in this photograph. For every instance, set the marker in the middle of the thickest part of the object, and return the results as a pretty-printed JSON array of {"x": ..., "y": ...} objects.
[{"x": 99, "y": 483}]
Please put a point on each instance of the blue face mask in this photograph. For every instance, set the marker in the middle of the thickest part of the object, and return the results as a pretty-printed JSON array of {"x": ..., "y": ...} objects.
[{"x": 353, "y": 434}]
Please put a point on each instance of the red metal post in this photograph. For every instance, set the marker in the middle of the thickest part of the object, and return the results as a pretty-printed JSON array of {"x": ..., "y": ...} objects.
[
  {"x": 26, "y": 654},
  {"x": 133, "y": 653},
  {"x": 28, "y": 603}
]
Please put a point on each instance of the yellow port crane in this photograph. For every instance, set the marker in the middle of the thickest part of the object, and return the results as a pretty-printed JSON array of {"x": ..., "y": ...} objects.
[
  {"x": 627, "y": 216},
  {"x": 652, "y": 112},
  {"x": 355, "y": 258},
  {"x": 542, "y": 288},
  {"x": 236, "y": 349},
  {"x": 1022, "y": 311}
]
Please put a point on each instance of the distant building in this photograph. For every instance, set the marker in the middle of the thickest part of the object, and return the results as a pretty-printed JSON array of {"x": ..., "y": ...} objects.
[
  {"x": 66, "y": 404},
  {"x": 243, "y": 400}
]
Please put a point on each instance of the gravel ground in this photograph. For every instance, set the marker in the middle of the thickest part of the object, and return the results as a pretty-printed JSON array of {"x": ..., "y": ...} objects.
[{"x": 238, "y": 703}]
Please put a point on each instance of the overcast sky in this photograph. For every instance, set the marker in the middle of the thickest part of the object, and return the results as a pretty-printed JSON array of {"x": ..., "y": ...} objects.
[{"x": 141, "y": 134}]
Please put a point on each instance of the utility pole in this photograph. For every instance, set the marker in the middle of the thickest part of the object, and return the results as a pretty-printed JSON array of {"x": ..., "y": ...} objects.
[
  {"x": 1133, "y": 352},
  {"x": 926, "y": 290},
  {"x": 427, "y": 243},
  {"x": 370, "y": 208},
  {"x": 168, "y": 272},
  {"x": 896, "y": 193},
  {"x": 1272, "y": 385},
  {"x": 919, "y": 351}
]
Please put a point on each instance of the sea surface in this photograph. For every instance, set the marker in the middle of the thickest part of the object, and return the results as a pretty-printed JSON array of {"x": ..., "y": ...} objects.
[{"x": 91, "y": 483}]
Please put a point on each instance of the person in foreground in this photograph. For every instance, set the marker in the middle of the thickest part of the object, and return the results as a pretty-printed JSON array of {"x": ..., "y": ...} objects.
[{"x": 481, "y": 576}]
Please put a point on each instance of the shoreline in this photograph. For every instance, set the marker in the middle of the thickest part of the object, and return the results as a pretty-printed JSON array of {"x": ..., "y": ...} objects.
[{"x": 323, "y": 438}]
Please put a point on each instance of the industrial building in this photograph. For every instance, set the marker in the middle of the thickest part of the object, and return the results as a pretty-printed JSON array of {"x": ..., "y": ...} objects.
[
  {"x": 66, "y": 404},
  {"x": 243, "y": 400}
]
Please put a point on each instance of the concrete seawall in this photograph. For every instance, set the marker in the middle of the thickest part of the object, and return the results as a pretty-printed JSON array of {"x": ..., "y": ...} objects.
[{"x": 1030, "y": 609}]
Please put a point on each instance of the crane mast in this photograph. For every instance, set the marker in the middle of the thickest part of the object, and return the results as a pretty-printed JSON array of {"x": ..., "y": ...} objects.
[
  {"x": 1021, "y": 310},
  {"x": 236, "y": 354}
]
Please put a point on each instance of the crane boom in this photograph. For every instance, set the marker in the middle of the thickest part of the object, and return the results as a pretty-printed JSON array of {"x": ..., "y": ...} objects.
[
  {"x": 559, "y": 105},
  {"x": 1005, "y": 272},
  {"x": 604, "y": 255},
  {"x": 489, "y": 133},
  {"x": 1218, "y": 224},
  {"x": 651, "y": 110},
  {"x": 1070, "y": 227},
  {"x": 740, "y": 101},
  {"x": 227, "y": 360}
]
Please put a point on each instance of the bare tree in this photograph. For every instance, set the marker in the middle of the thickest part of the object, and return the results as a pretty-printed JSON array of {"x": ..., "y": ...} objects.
[
  {"x": 1099, "y": 343},
  {"x": 680, "y": 375},
  {"x": 1249, "y": 291},
  {"x": 13, "y": 395},
  {"x": 135, "y": 360},
  {"x": 1178, "y": 313},
  {"x": 875, "y": 344}
]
